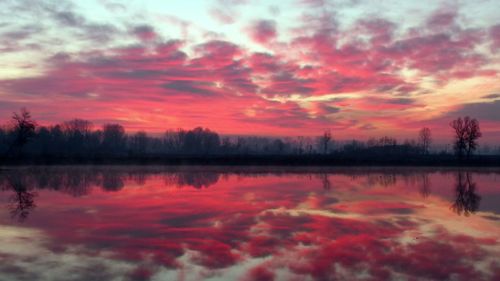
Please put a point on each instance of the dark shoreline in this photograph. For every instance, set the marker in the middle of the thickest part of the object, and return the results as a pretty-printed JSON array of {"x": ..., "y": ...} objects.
[{"x": 268, "y": 160}]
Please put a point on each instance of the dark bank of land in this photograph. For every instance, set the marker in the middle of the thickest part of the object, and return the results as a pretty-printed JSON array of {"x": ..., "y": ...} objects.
[{"x": 266, "y": 160}]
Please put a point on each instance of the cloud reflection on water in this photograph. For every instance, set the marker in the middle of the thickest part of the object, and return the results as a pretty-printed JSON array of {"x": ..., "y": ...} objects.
[{"x": 145, "y": 224}]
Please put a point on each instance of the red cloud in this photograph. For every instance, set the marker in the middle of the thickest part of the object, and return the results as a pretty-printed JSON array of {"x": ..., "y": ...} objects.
[{"x": 260, "y": 273}]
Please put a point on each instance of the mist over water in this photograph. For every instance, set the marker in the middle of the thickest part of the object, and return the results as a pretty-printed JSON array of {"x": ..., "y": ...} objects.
[{"x": 249, "y": 223}]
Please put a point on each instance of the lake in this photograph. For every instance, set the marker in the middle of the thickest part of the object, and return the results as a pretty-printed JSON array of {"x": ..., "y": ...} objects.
[{"x": 249, "y": 223}]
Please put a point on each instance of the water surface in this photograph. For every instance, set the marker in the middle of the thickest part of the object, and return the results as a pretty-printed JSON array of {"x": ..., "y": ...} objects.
[{"x": 219, "y": 223}]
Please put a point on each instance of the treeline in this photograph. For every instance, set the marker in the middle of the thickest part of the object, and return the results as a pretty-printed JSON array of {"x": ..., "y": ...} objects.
[{"x": 79, "y": 140}]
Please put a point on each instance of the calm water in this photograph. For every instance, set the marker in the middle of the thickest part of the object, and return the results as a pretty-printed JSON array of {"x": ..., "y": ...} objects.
[{"x": 153, "y": 223}]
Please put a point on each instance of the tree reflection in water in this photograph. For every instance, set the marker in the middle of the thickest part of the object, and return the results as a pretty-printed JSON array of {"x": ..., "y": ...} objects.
[
  {"x": 425, "y": 186},
  {"x": 197, "y": 180},
  {"x": 22, "y": 202},
  {"x": 466, "y": 201},
  {"x": 325, "y": 181},
  {"x": 112, "y": 181},
  {"x": 80, "y": 181}
]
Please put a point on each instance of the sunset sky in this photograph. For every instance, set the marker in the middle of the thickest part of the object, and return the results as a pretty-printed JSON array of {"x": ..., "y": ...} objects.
[{"x": 255, "y": 67}]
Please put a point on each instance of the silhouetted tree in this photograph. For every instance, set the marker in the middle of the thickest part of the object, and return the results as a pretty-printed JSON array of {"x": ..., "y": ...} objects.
[
  {"x": 473, "y": 133},
  {"x": 466, "y": 134},
  {"x": 173, "y": 140},
  {"x": 199, "y": 141},
  {"x": 277, "y": 146},
  {"x": 56, "y": 140},
  {"x": 113, "y": 139},
  {"x": 76, "y": 134},
  {"x": 23, "y": 128},
  {"x": 3, "y": 141},
  {"x": 138, "y": 143},
  {"x": 324, "y": 140},
  {"x": 227, "y": 146},
  {"x": 425, "y": 139},
  {"x": 300, "y": 143},
  {"x": 77, "y": 127}
]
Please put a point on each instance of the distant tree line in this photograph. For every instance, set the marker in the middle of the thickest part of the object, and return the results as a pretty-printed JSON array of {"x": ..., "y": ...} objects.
[{"x": 79, "y": 139}]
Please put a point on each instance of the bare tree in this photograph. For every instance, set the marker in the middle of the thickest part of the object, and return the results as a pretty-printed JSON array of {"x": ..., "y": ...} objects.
[
  {"x": 139, "y": 143},
  {"x": 24, "y": 129},
  {"x": 113, "y": 138},
  {"x": 324, "y": 140},
  {"x": 459, "y": 145},
  {"x": 300, "y": 144},
  {"x": 77, "y": 133},
  {"x": 77, "y": 128},
  {"x": 473, "y": 133},
  {"x": 425, "y": 139},
  {"x": 466, "y": 134}
]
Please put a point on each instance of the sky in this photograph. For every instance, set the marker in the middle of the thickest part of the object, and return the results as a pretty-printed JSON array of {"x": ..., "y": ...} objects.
[{"x": 252, "y": 67}]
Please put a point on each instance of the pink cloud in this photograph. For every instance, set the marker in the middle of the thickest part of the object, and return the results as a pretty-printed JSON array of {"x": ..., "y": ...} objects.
[
  {"x": 145, "y": 32},
  {"x": 263, "y": 31},
  {"x": 178, "y": 83},
  {"x": 443, "y": 18},
  {"x": 494, "y": 33},
  {"x": 222, "y": 16}
]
